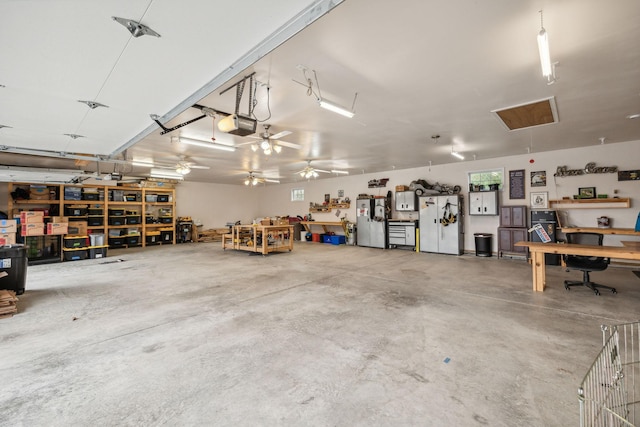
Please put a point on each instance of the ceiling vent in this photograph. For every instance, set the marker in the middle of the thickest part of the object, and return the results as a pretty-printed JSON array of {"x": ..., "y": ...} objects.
[{"x": 536, "y": 113}]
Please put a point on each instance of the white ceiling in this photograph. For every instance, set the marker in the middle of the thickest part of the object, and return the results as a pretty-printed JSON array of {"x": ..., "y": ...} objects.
[{"x": 420, "y": 68}]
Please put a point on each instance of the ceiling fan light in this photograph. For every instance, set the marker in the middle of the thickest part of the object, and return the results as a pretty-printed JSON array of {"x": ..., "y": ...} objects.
[
  {"x": 247, "y": 181},
  {"x": 255, "y": 181},
  {"x": 254, "y": 147},
  {"x": 302, "y": 174},
  {"x": 264, "y": 144},
  {"x": 315, "y": 174},
  {"x": 267, "y": 151},
  {"x": 277, "y": 148}
]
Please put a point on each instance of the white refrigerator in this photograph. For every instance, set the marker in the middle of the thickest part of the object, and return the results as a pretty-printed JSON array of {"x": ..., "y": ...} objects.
[{"x": 441, "y": 224}]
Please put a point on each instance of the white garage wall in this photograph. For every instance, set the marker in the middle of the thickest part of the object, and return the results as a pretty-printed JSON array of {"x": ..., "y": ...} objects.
[
  {"x": 275, "y": 200},
  {"x": 213, "y": 205}
]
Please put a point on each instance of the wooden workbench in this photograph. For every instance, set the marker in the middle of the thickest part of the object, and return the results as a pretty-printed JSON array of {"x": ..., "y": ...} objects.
[
  {"x": 620, "y": 231},
  {"x": 324, "y": 224},
  {"x": 272, "y": 238},
  {"x": 538, "y": 249}
]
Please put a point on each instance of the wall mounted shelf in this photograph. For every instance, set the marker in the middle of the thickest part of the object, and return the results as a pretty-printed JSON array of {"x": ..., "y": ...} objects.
[{"x": 590, "y": 203}]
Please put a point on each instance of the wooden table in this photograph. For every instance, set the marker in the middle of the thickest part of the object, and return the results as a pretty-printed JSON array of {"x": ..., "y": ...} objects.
[
  {"x": 538, "y": 249},
  {"x": 324, "y": 224},
  {"x": 245, "y": 238}
]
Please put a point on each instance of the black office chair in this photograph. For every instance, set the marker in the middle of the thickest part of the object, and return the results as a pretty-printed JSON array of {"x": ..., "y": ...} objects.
[{"x": 586, "y": 263}]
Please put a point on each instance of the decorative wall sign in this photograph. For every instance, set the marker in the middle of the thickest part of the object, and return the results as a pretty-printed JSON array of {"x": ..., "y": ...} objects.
[
  {"x": 516, "y": 184},
  {"x": 340, "y": 193},
  {"x": 588, "y": 168},
  {"x": 629, "y": 175},
  {"x": 539, "y": 179}
]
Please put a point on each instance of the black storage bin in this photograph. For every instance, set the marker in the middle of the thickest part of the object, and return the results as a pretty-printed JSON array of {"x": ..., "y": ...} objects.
[
  {"x": 149, "y": 219},
  {"x": 152, "y": 239},
  {"x": 95, "y": 211},
  {"x": 483, "y": 244},
  {"x": 75, "y": 255},
  {"x": 116, "y": 212},
  {"x": 163, "y": 198},
  {"x": 94, "y": 221},
  {"x": 117, "y": 220},
  {"x": 133, "y": 219},
  {"x": 166, "y": 236},
  {"x": 165, "y": 219},
  {"x": 90, "y": 196},
  {"x": 13, "y": 261},
  {"x": 75, "y": 211},
  {"x": 97, "y": 253},
  {"x": 132, "y": 240},
  {"x": 116, "y": 242},
  {"x": 72, "y": 193},
  {"x": 75, "y": 242}
]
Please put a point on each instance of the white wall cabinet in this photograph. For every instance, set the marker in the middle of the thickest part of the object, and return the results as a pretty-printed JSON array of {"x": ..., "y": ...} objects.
[
  {"x": 483, "y": 203},
  {"x": 406, "y": 201}
]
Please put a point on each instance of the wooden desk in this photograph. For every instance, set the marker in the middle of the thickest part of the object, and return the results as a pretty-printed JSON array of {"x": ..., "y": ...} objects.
[
  {"x": 620, "y": 231},
  {"x": 245, "y": 238},
  {"x": 324, "y": 224},
  {"x": 538, "y": 249}
]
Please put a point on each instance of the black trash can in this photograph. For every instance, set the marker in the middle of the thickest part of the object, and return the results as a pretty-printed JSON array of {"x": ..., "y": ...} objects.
[
  {"x": 13, "y": 262},
  {"x": 483, "y": 244}
]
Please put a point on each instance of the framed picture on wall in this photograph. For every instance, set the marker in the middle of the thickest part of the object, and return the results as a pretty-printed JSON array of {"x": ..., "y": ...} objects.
[
  {"x": 539, "y": 179},
  {"x": 587, "y": 192},
  {"x": 539, "y": 200}
]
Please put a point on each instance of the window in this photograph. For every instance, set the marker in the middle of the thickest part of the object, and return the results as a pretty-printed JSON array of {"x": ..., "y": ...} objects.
[
  {"x": 481, "y": 180},
  {"x": 297, "y": 195}
]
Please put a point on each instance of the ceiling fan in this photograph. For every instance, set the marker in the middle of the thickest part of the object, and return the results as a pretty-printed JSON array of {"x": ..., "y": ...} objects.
[
  {"x": 183, "y": 166},
  {"x": 270, "y": 143},
  {"x": 252, "y": 179},
  {"x": 311, "y": 172}
]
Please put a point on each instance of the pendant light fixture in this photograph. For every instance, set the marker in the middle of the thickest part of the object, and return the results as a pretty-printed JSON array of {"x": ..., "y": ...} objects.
[{"x": 548, "y": 69}]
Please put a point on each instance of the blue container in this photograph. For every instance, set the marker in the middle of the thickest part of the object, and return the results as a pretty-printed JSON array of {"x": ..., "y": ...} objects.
[
  {"x": 326, "y": 238},
  {"x": 338, "y": 240}
]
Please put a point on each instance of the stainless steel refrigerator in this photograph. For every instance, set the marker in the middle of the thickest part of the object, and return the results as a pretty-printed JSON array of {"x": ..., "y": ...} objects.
[
  {"x": 371, "y": 222},
  {"x": 441, "y": 224}
]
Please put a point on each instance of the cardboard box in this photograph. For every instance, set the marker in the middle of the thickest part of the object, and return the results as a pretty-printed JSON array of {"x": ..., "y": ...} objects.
[
  {"x": 266, "y": 221},
  {"x": 77, "y": 228},
  {"x": 59, "y": 219},
  {"x": 8, "y": 226},
  {"x": 34, "y": 229},
  {"x": 402, "y": 188},
  {"x": 8, "y": 239},
  {"x": 28, "y": 217},
  {"x": 281, "y": 221},
  {"x": 57, "y": 228}
]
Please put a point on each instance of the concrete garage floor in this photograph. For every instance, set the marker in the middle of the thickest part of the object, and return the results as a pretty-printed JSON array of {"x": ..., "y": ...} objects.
[{"x": 322, "y": 336}]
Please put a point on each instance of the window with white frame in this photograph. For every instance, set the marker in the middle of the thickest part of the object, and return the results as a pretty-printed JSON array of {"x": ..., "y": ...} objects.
[
  {"x": 482, "y": 180},
  {"x": 297, "y": 195}
]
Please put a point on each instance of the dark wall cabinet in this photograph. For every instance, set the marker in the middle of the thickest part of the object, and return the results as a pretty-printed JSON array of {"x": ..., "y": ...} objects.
[{"x": 513, "y": 229}]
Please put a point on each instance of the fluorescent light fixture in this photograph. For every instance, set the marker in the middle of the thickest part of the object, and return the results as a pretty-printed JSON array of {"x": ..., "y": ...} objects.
[
  {"x": 458, "y": 155},
  {"x": 545, "y": 56},
  {"x": 327, "y": 105},
  {"x": 205, "y": 144},
  {"x": 142, "y": 163},
  {"x": 39, "y": 175},
  {"x": 340, "y": 172},
  {"x": 633, "y": 116},
  {"x": 167, "y": 174}
]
